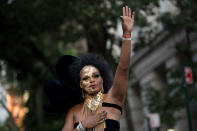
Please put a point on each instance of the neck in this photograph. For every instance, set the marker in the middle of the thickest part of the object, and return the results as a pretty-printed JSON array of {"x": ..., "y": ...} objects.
[
  {"x": 93, "y": 102},
  {"x": 91, "y": 95}
]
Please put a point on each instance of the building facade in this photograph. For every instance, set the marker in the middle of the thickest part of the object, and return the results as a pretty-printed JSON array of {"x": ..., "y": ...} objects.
[{"x": 149, "y": 67}]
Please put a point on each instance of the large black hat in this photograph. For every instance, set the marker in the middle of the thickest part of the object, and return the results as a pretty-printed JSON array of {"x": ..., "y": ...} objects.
[{"x": 65, "y": 91}]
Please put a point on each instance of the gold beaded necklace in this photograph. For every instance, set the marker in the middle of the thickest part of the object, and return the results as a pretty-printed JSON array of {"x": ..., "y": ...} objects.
[{"x": 93, "y": 103}]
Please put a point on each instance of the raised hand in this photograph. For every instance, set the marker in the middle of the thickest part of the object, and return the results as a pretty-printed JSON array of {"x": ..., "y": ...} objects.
[{"x": 127, "y": 20}]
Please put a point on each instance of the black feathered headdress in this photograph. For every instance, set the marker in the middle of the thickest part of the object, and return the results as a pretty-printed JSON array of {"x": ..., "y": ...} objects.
[{"x": 65, "y": 91}]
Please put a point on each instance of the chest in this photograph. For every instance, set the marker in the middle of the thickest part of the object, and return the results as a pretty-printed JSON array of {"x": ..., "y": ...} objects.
[{"x": 112, "y": 113}]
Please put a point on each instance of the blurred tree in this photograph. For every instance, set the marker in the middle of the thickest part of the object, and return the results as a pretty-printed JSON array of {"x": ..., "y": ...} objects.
[
  {"x": 166, "y": 101},
  {"x": 171, "y": 98},
  {"x": 182, "y": 19},
  {"x": 9, "y": 124},
  {"x": 34, "y": 34}
]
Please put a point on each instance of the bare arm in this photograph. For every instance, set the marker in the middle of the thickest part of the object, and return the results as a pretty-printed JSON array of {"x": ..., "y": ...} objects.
[
  {"x": 120, "y": 84},
  {"x": 69, "y": 124}
]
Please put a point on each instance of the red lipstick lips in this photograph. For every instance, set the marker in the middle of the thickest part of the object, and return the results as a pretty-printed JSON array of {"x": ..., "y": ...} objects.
[{"x": 93, "y": 85}]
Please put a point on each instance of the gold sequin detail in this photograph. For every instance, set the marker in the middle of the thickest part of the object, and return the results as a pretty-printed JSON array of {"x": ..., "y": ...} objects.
[{"x": 93, "y": 103}]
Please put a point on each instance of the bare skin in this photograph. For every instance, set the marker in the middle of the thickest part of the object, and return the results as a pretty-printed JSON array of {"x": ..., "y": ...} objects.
[
  {"x": 90, "y": 80},
  {"x": 92, "y": 83}
]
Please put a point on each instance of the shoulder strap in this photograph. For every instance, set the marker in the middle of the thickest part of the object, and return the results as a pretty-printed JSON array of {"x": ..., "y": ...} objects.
[{"x": 105, "y": 104}]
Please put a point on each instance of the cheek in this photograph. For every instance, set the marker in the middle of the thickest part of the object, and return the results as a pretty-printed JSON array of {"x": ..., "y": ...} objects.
[
  {"x": 100, "y": 81},
  {"x": 85, "y": 84}
]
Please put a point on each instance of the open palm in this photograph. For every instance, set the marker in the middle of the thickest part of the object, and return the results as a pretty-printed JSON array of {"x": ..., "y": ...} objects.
[{"x": 127, "y": 20}]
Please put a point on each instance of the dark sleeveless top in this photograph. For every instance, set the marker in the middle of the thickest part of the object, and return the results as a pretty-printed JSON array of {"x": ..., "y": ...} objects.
[{"x": 112, "y": 125}]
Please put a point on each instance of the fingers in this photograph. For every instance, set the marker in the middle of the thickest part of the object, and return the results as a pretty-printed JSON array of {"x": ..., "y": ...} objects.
[
  {"x": 129, "y": 12},
  {"x": 123, "y": 11},
  {"x": 126, "y": 11},
  {"x": 101, "y": 115},
  {"x": 101, "y": 121},
  {"x": 133, "y": 15}
]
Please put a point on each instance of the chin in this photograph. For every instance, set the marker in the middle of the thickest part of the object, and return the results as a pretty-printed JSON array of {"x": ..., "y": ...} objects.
[{"x": 94, "y": 91}]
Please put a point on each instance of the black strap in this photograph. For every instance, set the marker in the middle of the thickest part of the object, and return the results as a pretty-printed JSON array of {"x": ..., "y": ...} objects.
[{"x": 112, "y": 105}]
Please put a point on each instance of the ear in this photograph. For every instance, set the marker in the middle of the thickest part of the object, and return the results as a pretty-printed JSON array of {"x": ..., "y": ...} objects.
[
  {"x": 80, "y": 84},
  {"x": 102, "y": 90}
]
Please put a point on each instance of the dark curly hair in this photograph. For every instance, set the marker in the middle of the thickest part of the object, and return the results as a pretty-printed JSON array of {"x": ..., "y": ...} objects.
[{"x": 66, "y": 89}]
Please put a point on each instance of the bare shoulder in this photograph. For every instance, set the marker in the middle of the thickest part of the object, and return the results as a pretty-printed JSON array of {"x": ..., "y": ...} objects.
[
  {"x": 76, "y": 112},
  {"x": 71, "y": 117},
  {"x": 73, "y": 110},
  {"x": 77, "y": 107}
]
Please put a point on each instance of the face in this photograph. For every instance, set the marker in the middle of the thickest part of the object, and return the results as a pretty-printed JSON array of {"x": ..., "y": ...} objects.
[{"x": 90, "y": 80}]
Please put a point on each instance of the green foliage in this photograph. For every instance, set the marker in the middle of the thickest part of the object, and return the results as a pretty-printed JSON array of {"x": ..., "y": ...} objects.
[
  {"x": 183, "y": 19},
  {"x": 167, "y": 101},
  {"x": 169, "y": 21},
  {"x": 7, "y": 125},
  {"x": 185, "y": 53},
  {"x": 171, "y": 98},
  {"x": 34, "y": 34},
  {"x": 3, "y": 127}
]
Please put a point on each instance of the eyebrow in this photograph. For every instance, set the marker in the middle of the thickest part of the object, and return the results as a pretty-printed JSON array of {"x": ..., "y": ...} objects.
[{"x": 92, "y": 73}]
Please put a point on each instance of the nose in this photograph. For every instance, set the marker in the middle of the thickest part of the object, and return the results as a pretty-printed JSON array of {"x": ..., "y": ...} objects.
[{"x": 92, "y": 80}]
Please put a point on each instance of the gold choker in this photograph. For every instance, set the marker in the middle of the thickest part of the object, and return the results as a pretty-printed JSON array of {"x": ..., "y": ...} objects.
[{"x": 93, "y": 103}]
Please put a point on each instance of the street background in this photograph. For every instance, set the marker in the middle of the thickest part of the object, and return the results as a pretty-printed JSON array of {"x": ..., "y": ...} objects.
[{"x": 35, "y": 33}]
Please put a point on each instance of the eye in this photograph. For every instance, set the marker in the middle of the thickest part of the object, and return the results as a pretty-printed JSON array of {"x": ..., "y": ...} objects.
[
  {"x": 96, "y": 75},
  {"x": 85, "y": 78}
]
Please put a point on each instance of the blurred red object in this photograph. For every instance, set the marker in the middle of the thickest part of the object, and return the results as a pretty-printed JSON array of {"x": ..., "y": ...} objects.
[{"x": 188, "y": 75}]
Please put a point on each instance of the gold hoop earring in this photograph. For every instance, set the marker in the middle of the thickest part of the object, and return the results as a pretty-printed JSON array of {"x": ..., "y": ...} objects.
[
  {"x": 82, "y": 94},
  {"x": 102, "y": 90}
]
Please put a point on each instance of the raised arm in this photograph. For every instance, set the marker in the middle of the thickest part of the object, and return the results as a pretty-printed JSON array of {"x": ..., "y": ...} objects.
[{"x": 120, "y": 84}]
